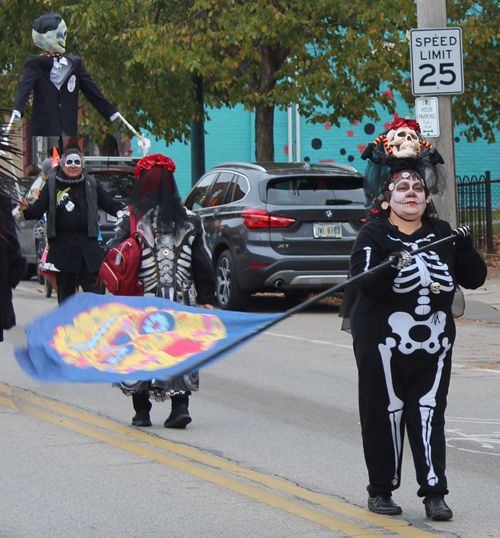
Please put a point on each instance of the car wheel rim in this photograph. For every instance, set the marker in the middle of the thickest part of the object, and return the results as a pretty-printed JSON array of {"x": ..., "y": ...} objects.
[{"x": 223, "y": 281}]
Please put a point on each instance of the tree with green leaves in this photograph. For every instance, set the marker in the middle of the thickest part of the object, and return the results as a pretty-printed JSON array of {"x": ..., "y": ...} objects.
[{"x": 333, "y": 58}]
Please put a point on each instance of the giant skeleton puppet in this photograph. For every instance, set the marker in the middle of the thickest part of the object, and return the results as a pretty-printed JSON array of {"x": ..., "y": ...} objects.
[
  {"x": 402, "y": 317},
  {"x": 55, "y": 79}
]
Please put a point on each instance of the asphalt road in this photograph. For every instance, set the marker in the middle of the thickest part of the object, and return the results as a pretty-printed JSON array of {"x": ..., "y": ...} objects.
[{"x": 274, "y": 449}]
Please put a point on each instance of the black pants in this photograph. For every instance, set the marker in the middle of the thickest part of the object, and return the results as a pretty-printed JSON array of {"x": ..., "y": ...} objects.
[
  {"x": 419, "y": 384},
  {"x": 67, "y": 283}
]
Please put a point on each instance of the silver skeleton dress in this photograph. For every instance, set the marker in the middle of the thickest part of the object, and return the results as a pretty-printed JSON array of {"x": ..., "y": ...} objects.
[{"x": 166, "y": 271}]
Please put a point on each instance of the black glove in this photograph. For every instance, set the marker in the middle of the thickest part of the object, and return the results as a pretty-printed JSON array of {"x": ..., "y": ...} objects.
[
  {"x": 401, "y": 259},
  {"x": 464, "y": 238}
]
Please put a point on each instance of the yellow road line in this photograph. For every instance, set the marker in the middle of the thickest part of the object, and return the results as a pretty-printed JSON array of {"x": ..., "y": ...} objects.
[
  {"x": 25, "y": 401},
  {"x": 7, "y": 402}
]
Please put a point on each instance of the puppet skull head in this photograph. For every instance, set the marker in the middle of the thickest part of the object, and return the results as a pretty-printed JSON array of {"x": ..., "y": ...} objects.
[
  {"x": 404, "y": 142},
  {"x": 49, "y": 33}
]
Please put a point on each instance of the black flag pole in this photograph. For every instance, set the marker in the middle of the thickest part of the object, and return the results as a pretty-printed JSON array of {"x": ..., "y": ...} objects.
[{"x": 306, "y": 304}]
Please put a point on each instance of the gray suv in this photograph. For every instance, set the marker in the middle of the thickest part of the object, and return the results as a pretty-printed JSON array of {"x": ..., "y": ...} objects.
[{"x": 285, "y": 227}]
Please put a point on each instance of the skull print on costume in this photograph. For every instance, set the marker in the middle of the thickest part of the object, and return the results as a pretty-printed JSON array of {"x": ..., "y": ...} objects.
[
  {"x": 166, "y": 262},
  {"x": 403, "y": 334},
  {"x": 422, "y": 274},
  {"x": 172, "y": 257}
]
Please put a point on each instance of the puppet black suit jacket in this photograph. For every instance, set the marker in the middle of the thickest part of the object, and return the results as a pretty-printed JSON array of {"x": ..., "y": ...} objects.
[{"x": 53, "y": 110}]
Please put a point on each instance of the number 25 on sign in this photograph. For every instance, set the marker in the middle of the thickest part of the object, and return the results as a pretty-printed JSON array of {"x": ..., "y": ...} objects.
[{"x": 436, "y": 61}]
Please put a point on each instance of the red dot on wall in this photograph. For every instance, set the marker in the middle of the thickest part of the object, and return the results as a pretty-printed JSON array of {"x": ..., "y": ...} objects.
[
  {"x": 355, "y": 122},
  {"x": 328, "y": 126},
  {"x": 387, "y": 126},
  {"x": 389, "y": 94},
  {"x": 350, "y": 133}
]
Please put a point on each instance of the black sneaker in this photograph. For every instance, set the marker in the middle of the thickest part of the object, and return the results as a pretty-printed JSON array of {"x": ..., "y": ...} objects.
[
  {"x": 437, "y": 509},
  {"x": 141, "y": 418},
  {"x": 179, "y": 418},
  {"x": 383, "y": 504}
]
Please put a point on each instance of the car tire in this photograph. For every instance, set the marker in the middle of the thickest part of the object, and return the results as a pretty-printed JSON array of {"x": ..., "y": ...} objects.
[
  {"x": 229, "y": 294},
  {"x": 30, "y": 271}
]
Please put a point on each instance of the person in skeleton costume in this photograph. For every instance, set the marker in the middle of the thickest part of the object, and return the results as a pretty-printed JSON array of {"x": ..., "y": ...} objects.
[
  {"x": 176, "y": 264},
  {"x": 55, "y": 78},
  {"x": 402, "y": 322}
]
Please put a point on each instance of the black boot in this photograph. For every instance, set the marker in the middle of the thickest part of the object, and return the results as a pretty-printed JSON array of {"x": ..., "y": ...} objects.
[
  {"x": 179, "y": 417},
  {"x": 142, "y": 407}
]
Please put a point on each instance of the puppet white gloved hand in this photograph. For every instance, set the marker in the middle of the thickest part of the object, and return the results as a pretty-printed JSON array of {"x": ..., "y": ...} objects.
[
  {"x": 14, "y": 117},
  {"x": 143, "y": 143}
]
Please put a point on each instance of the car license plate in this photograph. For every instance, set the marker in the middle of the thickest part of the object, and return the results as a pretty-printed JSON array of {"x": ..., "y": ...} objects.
[{"x": 327, "y": 230}]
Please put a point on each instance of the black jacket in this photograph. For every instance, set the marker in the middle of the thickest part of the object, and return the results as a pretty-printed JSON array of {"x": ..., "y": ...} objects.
[
  {"x": 73, "y": 231},
  {"x": 53, "y": 110}
]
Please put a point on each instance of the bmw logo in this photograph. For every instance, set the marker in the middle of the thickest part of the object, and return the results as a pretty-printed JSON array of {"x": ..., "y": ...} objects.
[{"x": 329, "y": 214}]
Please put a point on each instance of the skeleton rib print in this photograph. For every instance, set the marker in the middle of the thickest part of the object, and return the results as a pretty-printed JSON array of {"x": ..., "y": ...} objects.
[{"x": 427, "y": 268}]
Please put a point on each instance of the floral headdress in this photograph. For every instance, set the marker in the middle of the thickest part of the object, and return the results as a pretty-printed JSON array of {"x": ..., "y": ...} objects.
[
  {"x": 156, "y": 189},
  {"x": 146, "y": 163},
  {"x": 400, "y": 149}
]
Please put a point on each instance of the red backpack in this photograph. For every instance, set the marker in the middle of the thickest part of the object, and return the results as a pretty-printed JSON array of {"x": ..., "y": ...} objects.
[{"x": 120, "y": 268}]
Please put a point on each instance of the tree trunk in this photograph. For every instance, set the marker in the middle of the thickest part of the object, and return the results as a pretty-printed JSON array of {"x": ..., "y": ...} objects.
[{"x": 264, "y": 133}]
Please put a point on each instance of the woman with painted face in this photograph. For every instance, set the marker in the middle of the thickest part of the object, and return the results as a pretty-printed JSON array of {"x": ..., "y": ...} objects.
[
  {"x": 403, "y": 328},
  {"x": 71, "y": 198}
]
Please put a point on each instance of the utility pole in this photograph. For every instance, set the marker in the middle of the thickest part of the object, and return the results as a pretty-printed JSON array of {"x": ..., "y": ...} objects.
[
  {"x": 432, "y": 14},
  {"x": 198, "y": 134}
]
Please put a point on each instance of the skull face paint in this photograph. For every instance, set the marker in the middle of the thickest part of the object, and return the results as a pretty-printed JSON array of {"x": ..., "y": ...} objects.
[
  {"x": 408, "y": 197},
  {"x": 49, "y": 33}
]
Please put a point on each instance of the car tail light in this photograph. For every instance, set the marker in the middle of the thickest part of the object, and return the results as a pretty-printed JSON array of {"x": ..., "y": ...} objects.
[
  {"x": 255, "y": 219},
  {"x": 281, "y": 222}
]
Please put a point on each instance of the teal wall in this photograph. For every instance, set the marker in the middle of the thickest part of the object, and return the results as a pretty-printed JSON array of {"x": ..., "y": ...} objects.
[{"x": 230, "y": 137}]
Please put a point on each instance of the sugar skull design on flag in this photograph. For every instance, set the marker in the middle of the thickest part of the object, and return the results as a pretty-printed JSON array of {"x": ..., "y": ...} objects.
[
  {"x": 104, "y": 339},
  {"x": 117, "y": 338}
]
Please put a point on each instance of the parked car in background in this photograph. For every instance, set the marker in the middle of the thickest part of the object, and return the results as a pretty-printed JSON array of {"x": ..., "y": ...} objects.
[
  {"x": 116, "y": 174},
  {"x": 286, "y": 227}
]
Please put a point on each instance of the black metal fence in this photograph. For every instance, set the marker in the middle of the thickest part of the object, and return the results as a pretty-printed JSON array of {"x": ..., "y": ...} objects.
[{"x": 479, "y": 207}]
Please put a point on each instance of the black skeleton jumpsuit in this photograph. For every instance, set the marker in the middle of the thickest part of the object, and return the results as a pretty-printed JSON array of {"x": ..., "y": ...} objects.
[{"x": 403, "y": 335}]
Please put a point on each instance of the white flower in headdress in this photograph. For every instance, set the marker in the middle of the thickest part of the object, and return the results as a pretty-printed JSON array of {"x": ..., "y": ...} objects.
[
  {"x": 384, "y": 205},
  {"x": 405, "y": 174},
  {"x": 391, "y": 186},
  {"x": 429, "y": 198}
]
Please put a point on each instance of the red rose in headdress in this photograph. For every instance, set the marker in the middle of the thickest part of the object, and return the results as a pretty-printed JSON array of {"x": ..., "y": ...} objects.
[
  {"x": 402, "y": 122},
  {"x": 152, "y": 160}
]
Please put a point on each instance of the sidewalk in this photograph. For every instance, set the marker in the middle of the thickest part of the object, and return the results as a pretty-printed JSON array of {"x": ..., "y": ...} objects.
[{"x": 483, "y": 304}]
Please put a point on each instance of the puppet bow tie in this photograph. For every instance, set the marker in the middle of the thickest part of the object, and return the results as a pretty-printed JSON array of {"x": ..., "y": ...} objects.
[{"x": 56, "y": 55}]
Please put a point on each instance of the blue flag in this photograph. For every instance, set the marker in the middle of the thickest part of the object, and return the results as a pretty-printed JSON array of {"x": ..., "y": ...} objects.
[{"x": 102, "y": 338}]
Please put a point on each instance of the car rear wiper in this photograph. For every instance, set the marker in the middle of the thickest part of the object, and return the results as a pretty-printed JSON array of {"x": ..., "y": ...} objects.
[{"x": 336, "y": 201}]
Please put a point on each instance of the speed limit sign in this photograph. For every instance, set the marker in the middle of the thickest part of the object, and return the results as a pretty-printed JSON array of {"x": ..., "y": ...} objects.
[{"x": 437, "y": 61}]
